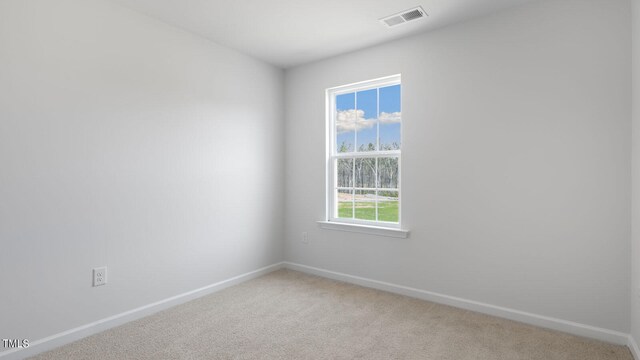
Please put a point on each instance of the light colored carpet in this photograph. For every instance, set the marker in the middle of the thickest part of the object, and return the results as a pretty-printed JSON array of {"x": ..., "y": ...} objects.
[{"x": 290, "y": 315}]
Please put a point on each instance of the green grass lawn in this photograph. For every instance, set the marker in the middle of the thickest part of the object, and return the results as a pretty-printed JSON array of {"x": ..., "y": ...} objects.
[{"x": 387, "y": 210}]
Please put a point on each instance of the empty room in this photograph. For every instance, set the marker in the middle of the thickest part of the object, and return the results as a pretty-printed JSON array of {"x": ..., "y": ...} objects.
[{"x": 336, "y": 179}]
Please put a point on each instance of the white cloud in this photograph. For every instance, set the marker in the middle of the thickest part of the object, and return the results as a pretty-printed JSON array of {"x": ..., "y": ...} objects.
[
  {"x": 350, "y": 120},
  {"x": 390, "y": 118}
]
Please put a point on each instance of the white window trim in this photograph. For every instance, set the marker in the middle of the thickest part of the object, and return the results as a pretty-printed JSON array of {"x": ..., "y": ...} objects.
[
  {"x": 354, "y": 225},
  {"x": 364, "y": 229}
]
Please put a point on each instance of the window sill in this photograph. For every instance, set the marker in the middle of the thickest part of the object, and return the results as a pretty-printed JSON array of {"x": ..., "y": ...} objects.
[{"x": 364, "y": 229}]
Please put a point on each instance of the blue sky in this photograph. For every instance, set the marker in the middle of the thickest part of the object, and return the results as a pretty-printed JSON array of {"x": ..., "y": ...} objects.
[{"x": 365, "y": 118}]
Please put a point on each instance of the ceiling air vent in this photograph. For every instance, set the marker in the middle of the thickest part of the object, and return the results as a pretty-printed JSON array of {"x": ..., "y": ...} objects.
[{"x": 404, "y": 17}]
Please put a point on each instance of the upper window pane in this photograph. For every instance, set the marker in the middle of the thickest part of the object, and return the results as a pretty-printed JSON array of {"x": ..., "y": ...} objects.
[
  {"x": 390, "y": 117},
  {"x": 345, "y": 122},
  {"x": 367, "y": 123}
]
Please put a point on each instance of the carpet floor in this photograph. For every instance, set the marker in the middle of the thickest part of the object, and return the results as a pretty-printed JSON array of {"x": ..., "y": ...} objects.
[{"x": 291, "y": 315}]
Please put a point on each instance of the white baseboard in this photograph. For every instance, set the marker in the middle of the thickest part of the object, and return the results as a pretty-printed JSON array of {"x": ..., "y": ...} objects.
[
  {"x": 570, "y": 327},
  {"x": 72, "y": 335},
  {"x": 66, "y": 337},
  {"x": 633, "y": 346}
]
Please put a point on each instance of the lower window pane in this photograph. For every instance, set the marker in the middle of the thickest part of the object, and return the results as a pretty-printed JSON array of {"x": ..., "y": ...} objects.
[
  {"x": 345, "y": 203},
  {"x": 365, "y": 173},
  {"x": 345, "y": 172},
  {"x": 365, "y": 205},
  {"x": 388, "y": 172},
  {"x": 388, "y": 206}
]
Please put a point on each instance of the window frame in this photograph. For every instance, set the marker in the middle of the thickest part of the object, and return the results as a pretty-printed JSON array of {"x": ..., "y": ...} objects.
[{"x": 332, "y": 155}]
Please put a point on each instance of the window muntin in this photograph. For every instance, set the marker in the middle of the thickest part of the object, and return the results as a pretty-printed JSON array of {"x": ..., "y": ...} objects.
[{"x": 364, "y": 159}]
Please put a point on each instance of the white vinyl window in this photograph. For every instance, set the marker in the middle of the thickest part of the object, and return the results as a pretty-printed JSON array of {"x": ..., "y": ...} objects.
[{"x": 364, "y": 153}]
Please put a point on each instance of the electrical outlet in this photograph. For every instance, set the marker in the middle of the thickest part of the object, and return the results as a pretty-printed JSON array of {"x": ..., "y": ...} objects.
[
  {"x": 305, "y": 238},
  {"x": 100, "y": 276}
]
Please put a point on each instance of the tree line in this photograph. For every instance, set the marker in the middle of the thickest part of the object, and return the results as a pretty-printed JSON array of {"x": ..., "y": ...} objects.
[{"x": 363, "y": 173}]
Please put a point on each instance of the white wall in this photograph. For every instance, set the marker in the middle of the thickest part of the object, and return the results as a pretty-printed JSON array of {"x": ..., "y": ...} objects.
[
  {"x": 516, "y": 162},
  {"x": 635, "y": 242},
  {"x": 128, "y": 143}
]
